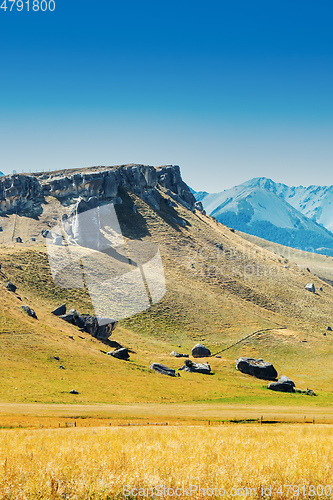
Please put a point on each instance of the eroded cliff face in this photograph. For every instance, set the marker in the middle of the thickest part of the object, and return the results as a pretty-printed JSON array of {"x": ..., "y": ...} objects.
[{"x": 21, "y": 193}]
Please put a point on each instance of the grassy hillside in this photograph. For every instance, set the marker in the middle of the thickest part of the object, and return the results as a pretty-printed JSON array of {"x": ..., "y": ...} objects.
[
  {"x": 216, "y": 295},
  {"x": 320, "y": 265}
]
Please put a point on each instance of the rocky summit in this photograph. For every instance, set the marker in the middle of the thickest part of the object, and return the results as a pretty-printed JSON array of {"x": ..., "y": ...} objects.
[{"x": 25, "y": 194}]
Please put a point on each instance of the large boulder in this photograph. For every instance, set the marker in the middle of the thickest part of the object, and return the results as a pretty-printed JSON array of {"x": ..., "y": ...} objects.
[
  {"x": 256, "y": 367},
  {"x": 284, "y": 384},
  {"x": 60, "y": 311},
  {"x": 310, "y": 287},
  {"x": 120, "y": 353},
  {"x": 10, "y": 286},
  {"x": 100, "y": 328},
  {"x": 30, "y": 312},
  {"x": 190, "y": 366},
  {"x": 164, "y": 370},
  {"x": 200, "y": 351}
]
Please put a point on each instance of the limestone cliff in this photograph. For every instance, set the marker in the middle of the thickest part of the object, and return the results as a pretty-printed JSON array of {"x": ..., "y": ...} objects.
[{"x": 22, "y": 193}]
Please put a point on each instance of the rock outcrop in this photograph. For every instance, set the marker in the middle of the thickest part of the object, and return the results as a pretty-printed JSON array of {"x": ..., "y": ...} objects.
[
  {"x": 10, "y": 286},
  {"x": 121, "y": 353},
  {"x": 284, "y": 384},
  {"x": 178, "y": 354},
  {"x": 101, "y": 328},
  {"x": 59, "y": 311},
  {"x": 19, "y": 192},
  {"x": 256, "y": 367},
  {"x": 190, "y": 366},
  {"x": 22, "y": 193},
  {"x": 30, "y": 312},
  {"x": 164, "y": 370}
]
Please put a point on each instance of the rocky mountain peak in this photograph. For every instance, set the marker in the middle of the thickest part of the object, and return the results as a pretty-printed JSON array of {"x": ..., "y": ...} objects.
[{"x": 26, "y": 193}]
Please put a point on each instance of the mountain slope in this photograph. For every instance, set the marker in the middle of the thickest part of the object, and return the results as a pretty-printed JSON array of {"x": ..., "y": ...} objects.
[
  {"x": 265, "y": 209},
  {"x": 220, "y": 289},
  {"x": 315, "y": 202}
]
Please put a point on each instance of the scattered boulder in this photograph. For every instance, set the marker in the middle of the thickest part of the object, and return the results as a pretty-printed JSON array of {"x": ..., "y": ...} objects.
[
  {"x": 310, "y": 287},
  {"x": 218, "y": 356},
  {"x": 62, "y": 367},
  {"x": 164, "y": 370},
  {"x": 30, "y": 312},
  {"x": 56, "y": 357},
  {"x": 258, "y": 368},
  {"x": 310, "y": 392},
  {"x": 191, "y": 366},
  {"x": 120, "y": 353},
  {"x": 178, "y": 355},
  {"x": 284, "y": 384},
  {"x": 45, "y": 233},
  {"x": 33, "y": 238},
  {"x": 200, "y": 351},
  {"x": 320, "y": 288},
  {"x": 19, "y": 239},
  {"x": 329, "y": 329},
  {"x": 59, "y": 311},
  {"x": 10, "y": 286},
  {"x": 73, "y": 391},
  {"x": 100, "y": 328}
]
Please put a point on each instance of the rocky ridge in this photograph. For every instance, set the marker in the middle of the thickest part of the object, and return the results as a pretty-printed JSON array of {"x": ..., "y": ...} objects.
[{"x": 22, "y": 193}]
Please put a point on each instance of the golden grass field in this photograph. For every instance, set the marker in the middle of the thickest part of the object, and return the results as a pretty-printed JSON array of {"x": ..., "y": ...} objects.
[{"x": 97, "y": 463}]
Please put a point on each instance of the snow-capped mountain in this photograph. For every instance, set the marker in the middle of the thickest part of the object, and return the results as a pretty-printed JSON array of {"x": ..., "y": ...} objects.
[{"x": 301, "y": 217}]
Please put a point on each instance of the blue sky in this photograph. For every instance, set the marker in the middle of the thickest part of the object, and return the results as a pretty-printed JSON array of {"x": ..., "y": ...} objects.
[{"x": 227, "y": 90}]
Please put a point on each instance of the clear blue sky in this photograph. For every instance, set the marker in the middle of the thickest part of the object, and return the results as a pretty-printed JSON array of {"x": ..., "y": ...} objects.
[{"x": 228, "y": 90}]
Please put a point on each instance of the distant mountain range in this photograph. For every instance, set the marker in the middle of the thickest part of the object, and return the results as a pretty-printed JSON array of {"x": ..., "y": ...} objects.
[{"x": 300, "y": 217}]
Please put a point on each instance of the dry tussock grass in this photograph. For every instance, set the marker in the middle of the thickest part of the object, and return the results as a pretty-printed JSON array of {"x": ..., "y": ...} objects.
[{"x": 97, "y": 463}]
